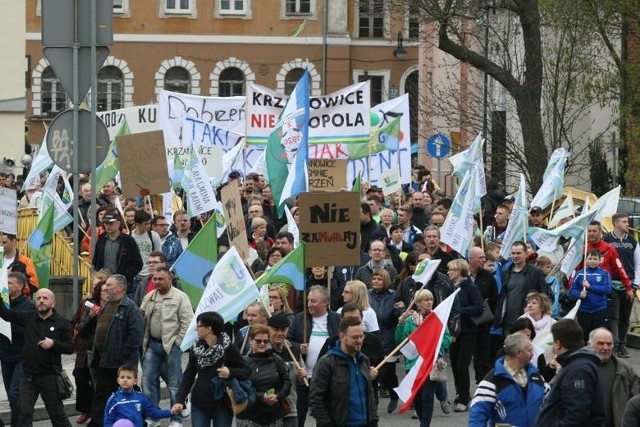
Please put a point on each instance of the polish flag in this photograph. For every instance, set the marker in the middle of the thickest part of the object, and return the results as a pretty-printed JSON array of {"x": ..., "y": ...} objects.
[{"x": 424, "y": 343}]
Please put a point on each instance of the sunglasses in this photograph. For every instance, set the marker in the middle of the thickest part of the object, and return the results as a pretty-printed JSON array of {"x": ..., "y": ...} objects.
[{"x": 261, "y": 342}]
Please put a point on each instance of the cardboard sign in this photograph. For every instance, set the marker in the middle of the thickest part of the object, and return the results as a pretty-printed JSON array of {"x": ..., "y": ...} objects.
[
  {"x": 327, "y": 174},
  {"x": 8, "y": 211},
  {"x": 143, "y": 163},
  {"x": 330, "y": 226},
  {"x": 390, "y": 181},
  {"x": 236, "y": 228}
]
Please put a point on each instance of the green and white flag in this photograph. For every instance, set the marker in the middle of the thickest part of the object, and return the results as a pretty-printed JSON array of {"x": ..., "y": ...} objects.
[
  {"x": 41, "y": 243},
  {"x": 565, "y": 210},
  {"x": 110, "y": 167}
]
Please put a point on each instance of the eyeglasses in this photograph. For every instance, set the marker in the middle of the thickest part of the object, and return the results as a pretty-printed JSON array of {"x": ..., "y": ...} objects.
[
  {"x": 273, "y": 298},
  {"x": 261, "y": 342}
]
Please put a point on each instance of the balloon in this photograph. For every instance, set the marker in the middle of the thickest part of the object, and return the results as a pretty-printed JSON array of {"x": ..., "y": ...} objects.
[{"x": 123, "y": 423}]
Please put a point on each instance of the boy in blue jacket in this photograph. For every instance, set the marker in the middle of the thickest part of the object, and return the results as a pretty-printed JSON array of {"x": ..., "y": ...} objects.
[
  {"x": 593, "y": 290},
  {"x": 128, "y": 404}
]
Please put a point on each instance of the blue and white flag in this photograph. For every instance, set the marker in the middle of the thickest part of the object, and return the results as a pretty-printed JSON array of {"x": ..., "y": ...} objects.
[
  {"x": 41, "y": 163},
  {"x": 552, "y": 183},
  {"x": 464, "y": 160},
  {"x": 517, "y": 227}
]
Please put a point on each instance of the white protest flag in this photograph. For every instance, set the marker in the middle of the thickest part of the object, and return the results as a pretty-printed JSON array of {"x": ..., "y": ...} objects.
[
  {"x": 221, "y": 221},
  {"x": 607, "y": 204},
  {"x": 559, "y": 155},
  {"x": 258, "y": 165},
  {"x": 551, "y": 187},
  {"x": 292, "y": 226},
  {"x": 200, "y": 196},
  {"x": 62, "y": 217},
  {"x": 547, "y": 240},
  {"x": 8, "y": 211},
  {"x": 565, "y": 210},
  {"x": 41, "y": 163},
  {"x": 425, "y": 269},
  {"x": 517, "y": 226},
  {"x": 231, "y": 160},
  {"x": 229, "y": 291},
  {"x": 574, "y": 255},
  {"x": 544, "y": 340},
  {"x": 464, "y": 160},
  {"x": 457, "y": 230},
  {"x": 424, "y": 341}
]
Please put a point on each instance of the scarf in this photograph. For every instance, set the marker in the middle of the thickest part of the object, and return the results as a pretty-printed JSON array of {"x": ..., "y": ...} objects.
[
  {"x": 542, "y": 325},
  {"x": 208, "y": 356}
]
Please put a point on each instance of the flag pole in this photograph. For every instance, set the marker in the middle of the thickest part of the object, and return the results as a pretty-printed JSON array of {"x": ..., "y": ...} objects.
[
  {"x": 393, "y": 353},
  {"x": 481, "y": 229},
  {"x": 244, "y": 341},
  {"x": 553, "y": 204},
  {"x": 559, "y": 263}
]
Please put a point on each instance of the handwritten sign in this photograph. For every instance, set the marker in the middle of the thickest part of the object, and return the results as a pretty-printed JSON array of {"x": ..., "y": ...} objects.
[
  {"x": 8, "y": 208},
  {"x": 236, "y": 228},
  {"x": 143, "y": 163},
  {"x": 138, "y": 119},
  {"x": 327, "y": 174},
  {"x": 330, "y": 226}
]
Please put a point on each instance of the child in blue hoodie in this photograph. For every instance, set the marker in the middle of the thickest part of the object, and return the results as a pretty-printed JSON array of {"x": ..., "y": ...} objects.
[
  {"x": 593, "y": 290},
  {"x": 129, "y": 404}
]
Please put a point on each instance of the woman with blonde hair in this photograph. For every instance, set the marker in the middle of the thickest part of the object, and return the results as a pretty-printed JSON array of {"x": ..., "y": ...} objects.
[
  {"x": 356, "y": 292},
  {"x": 278, "y": 302},
  {"x": 538, "y": 310}
]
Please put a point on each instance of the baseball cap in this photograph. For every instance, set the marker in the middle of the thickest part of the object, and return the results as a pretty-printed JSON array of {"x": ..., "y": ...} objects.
[
  {"x": 110, "y": 217},
  {"x": 536, "y": 210}
]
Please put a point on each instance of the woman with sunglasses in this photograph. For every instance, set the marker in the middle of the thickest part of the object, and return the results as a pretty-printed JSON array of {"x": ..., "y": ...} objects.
[{"x": 270, "y": 377}]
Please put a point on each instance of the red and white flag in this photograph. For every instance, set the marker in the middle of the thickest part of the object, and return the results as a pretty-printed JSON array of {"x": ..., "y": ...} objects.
[{"x": 425, "y": 341}]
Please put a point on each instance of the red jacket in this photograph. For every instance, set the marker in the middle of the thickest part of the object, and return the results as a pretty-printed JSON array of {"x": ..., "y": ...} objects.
[{"x": 610, "y": 262}]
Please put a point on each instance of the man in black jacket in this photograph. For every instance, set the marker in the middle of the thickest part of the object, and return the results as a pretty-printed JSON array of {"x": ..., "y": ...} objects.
[
  {"x": 518, "y": 280},
  {"x": 576, "y": 395},
  {"x": 47, "y": 336},
  {"x": 117, "y": 252}
]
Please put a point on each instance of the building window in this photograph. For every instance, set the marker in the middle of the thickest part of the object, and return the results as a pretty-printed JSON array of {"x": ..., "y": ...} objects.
[
  {"x": 177, "y": 6},
  {"x": 54, "y": 98},
  {"x": 177, "y": 79},
  {"x": 235, "y": 7},
  {"x": 414, "y": 21},
  {"x": 371, "y": 18},
  {"x": 412, "y": 87},
  {"x": 298, "y": 7},
  {"x": 377, "y": 87},
  {"x": 291, "y": 80},
  {"x": 119, "y": 6},
  {"x": 110, "y": 89},
  {"x": 231, "y": 82}
]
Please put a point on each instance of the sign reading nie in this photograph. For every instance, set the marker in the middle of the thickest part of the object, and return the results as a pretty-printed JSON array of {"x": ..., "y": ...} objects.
[{"x": 330, "y": 226}]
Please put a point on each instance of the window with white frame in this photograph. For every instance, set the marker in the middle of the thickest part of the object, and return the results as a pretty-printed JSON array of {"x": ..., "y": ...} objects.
[
  {"x": 298, "y": 7},
  {"x": 177, "y": 6},
  {"x": 371, "y": 18},
  {"x": 376, "y": 83},
  {"x": 232, "y": 81},
  {"x": 54, "y": 98},
  {"x": 120, "y": 6},
  {"x": 233, "y": 7},
  {"x": 177, "y": 79},
  {"x": 110, "y": 88},
  {"x": 291, "y": 80}
]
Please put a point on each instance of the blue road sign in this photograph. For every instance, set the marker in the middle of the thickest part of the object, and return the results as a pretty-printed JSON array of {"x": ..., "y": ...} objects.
[{"x": 438, "y": 145}]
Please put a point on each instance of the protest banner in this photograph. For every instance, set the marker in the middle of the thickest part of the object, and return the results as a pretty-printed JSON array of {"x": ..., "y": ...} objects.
[
  {"x": 390, "y": 181},
  {"x": 143, "y": 164},
  {"x": 236, "y": 228},
  {"x": 8, "y": 211},
  {"x": 339, "y": 117},
  {"x": 139, "y": 119},
  {"x": 327, "y": 174},
  {"x": 223, "y": 112},
  {"x": 330, "y": 226}
]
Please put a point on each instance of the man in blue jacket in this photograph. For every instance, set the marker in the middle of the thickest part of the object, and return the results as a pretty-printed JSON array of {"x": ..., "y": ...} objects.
[
  {"x": 576, "y": 397},
  {"x": 334, "y": 401},
  {"x": 513, "y": 391}
]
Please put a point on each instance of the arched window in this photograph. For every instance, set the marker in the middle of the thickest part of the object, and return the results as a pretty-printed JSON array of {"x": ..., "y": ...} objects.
[
  {"x": 291, "y": 80},
  {"x": 231, "y": 82},
  {"x": 411, "y": 87},
  {"x": 110, "y": 88},
  {"x": 54, "y": 98},
  {"x": 177, "y": 79}
]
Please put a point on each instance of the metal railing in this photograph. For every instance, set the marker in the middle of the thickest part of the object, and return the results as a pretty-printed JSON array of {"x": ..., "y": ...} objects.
[{"x": 61, "y": 253}]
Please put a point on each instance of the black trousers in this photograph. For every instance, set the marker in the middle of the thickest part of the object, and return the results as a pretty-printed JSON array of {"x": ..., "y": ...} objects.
[
  {"x": 32, "y": 386},
  {"x": 302, "y": 404},
  {"x": 461, "y": 353},
  {"x": 482, "y": 361},
  {"x": 84, "y": 390},
  {"x": 104, "y": 383},
  {"x": 619, "y": 313}
]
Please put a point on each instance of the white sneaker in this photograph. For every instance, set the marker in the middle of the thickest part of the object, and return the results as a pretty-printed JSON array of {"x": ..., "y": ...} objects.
[
  {"x": 151, "y": 423},
  {"x": 175, "y": 424},
  {"x": 186, "y": 411}
]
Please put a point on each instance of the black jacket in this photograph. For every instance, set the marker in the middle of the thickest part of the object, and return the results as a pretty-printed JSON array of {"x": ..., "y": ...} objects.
[
  {"x": 576, "y": 396},
  {"x": 535, "y": 281},
  {"x": 371, "y": 347},
  {"x": 488, "y": 287},
  {"x": 38, "y": 361},
  {"x": 387, "y": 313},
  {"x": 11, "y": 350},
  {"x": 470, "y": 302},
  {"x": 129, "y": 261},
  {"x": 296, "y": 331}
]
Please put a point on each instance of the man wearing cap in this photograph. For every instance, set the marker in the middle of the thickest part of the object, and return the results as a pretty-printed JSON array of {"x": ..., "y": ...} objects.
[
  {"x": 536, "y": 217},
  {"x": 116, "y": 251},
  {"x": 278, "y": 330}
]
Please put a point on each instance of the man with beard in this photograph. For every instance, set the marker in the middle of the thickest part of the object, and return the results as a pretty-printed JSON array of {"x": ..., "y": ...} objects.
[{"x": 47, "y": 336}]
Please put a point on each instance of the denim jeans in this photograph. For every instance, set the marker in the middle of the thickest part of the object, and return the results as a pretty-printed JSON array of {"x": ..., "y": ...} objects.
[
  {"x": 423, "y": 402},
  {"x": 156, "y": 364},
  {"x": 11, "y": 377},
  {"x": 441, "y": 390},
  {"x": 205, "y": 416}
]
